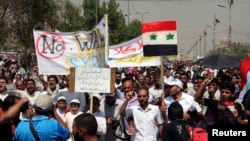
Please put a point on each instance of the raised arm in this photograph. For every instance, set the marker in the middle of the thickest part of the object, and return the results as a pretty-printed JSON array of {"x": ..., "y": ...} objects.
[{"x": 13, "y": 111}]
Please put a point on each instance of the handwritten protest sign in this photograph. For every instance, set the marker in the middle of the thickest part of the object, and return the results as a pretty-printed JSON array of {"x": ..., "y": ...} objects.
[
  {"x": 81, "y": 49},
  {"x": 100, "y": 80},
  {"x": 130, "y": 54}
]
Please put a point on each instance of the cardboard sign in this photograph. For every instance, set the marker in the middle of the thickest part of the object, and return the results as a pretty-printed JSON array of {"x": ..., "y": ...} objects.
[{"x": 100, "y": 80}]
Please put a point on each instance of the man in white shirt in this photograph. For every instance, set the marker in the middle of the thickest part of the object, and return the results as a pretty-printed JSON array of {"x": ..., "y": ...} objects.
[
  {"x": 52, "y": 85},
  {"x": 187, "y": 102},
  {"x": 145, "y": 120},
  {"x": 3, "y": 88},
  {"x": 100, "y": 118},
  {"x": 167, "y": 75}
]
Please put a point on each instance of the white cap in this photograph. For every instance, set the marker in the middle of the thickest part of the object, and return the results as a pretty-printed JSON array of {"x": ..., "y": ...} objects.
[
  {"x": 75, "y": 101},
  {"x": 96, "y": 95},
  {"x": 43, "y": 103},
  {"x": 61, "y": 98},
  {"x": 176, "y": 82}
]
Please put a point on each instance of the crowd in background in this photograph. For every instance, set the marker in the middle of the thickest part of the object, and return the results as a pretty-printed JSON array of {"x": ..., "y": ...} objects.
[{"x": 140, "y": 109}]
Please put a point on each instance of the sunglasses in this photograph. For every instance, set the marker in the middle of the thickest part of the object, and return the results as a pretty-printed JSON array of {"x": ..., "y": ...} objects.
[{"x": 169, "y": 87}]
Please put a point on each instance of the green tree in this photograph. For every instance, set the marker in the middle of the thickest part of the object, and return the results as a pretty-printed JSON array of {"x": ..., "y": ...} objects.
[
  {"x": 91, "y": 13},
  {"x": 71, "y": 17},
  {"x": 118, "y": 30},
  {"x": 20, "y": 17},
  {"x": 239, "y": 50},
  {"x": 134, "y": 29}
]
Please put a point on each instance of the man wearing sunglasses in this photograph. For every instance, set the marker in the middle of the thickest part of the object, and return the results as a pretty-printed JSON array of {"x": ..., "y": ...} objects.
[{"x": 174, "y": 89}]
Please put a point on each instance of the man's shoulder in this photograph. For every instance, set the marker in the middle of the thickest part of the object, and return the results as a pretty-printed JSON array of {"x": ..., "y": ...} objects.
[
  {"x": 119, "y": 101},
  {"x": 169, "y": 99},
  {"x": 187, "y": 96},
  {"x": 153, "y": 106}
]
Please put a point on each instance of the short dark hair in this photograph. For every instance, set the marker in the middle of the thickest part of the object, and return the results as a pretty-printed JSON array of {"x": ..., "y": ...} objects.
[
  {"x": 126, "y": 79},
  {"x": 9, "y": 101},
  {"x": 144, "y": 88},
  {"x": 117, "y": 72},
  {"x": 4, "y": 78},
  {"x": 88, "y": 122},
  {"x": 229, "y": 86},
  {"x": 185, "y": 74},
  {"x": 175, "y": 111},
  {"x": 215, "y": 80},
  {"x": 53, "y": 76},
  {"x": 32, "y": 80}
]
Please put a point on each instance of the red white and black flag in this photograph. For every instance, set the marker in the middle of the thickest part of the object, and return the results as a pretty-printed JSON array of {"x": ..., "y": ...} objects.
[{"x": 159, "y": 38}]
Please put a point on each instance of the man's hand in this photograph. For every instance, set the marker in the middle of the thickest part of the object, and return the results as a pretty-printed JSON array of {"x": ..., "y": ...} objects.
[
  {"x": 163, "y": 107},
  {"x": 131, "y": 130},
  {"x": 24, "y": 100},
  {"x": 110, "y": 120},
  {"x": 129, "y": 95},
  {"x": 29, "y": 113}
]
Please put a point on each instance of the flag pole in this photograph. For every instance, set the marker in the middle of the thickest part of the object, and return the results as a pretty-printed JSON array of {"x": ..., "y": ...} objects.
[
  {"x": 106, "y": 39},
  {"x": 162, "y": 78},
  {"x": 91, "y": 103}
]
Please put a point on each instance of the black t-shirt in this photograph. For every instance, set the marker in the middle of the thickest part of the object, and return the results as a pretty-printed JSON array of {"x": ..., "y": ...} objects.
[
  {"x": 211, "y": 115},
  {"x": 175, "y": 131}
]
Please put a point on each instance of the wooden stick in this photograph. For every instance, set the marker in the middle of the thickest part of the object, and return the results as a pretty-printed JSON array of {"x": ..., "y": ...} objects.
[
  {"x": 91, "y": 103},
  {"x": 162, "y": 79}
]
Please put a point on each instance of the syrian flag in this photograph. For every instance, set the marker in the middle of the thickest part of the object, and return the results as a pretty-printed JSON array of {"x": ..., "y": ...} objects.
[{"x": 159, "y": 38}]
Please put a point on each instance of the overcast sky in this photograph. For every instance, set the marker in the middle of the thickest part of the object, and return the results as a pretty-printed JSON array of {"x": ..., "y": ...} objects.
[{"x": 192, "y": 18}]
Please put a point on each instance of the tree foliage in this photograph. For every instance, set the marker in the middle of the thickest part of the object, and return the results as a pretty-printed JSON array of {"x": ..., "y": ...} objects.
[
  {"x": 71, "y": 17},
  {"x": 237, "y": 49}
]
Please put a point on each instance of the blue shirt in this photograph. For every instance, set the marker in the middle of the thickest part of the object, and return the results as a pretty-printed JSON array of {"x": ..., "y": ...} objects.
[{"x": 47, "y": 129}]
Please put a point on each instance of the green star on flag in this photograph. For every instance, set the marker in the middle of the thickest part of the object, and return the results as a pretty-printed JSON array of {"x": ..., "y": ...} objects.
[
  {"x": 159, "y": 38},
  {"x": 153, "y": 36},
  {"x": 170, "y": 36}
]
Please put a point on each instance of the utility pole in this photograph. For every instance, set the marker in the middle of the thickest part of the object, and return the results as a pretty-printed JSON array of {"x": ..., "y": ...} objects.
[
  {"x": 200, "y": 46},
  {"x": 205, "y": 41},
  {"x": 142, "y": 15},
  {"x": 128, "y": 12},
  {"x": 230, "y": 2},
  {"x": 215, "y": 23},
  {"x": 196, "y": 49}
]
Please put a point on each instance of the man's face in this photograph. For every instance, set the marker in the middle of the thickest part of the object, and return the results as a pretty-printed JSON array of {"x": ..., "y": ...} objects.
[
  {"x": 2, "y": 85},
  {"x": 61, "y": 105},
  {"x": 173, "y": 90},
  {"x": 234, "y": 79},
  {"x": 30, "y": 86},
  {"x": 20, "y": 85},
  {"x": 67, "y": 81},
  {"x": 118, "y": 78},
  {"x": 167, "y": 73},
  {"x": 52, "y": 83},
  {"x": 74, "y": 107},
  {"x": 95, "y": 104},
  {"x": 76, "y": 131},
  {"x": 196, "y": 86},
  {"x": 226, "y": 95},
  {"x": 41, "y": 77},
  {"x": 143, "y": 97},
  {"x": 127, "y": 86},
  {"x": 184, "y": 79},
  {"x": 141, "y": 79},
  {"x": 110, "y": 100},
  {"x": 212, "y": 88},
  {"x": 147, "y": 80}
]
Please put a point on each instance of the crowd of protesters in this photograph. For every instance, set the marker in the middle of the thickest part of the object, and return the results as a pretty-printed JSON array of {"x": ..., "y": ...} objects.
[{"x": 39, "y": 107}]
